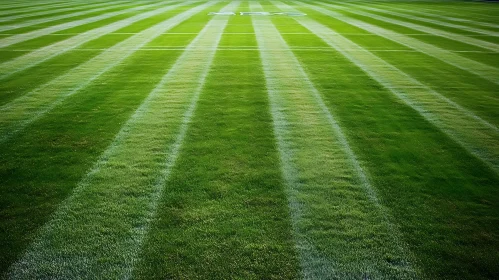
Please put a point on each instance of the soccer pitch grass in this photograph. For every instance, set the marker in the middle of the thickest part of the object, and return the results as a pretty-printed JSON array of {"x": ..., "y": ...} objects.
[{"x": 273, "y": 140}]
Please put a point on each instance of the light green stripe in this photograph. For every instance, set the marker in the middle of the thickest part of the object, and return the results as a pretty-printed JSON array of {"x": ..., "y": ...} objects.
[
  {"x": 449, "y": 18},
  {"x": 42, "y": 54},
  {"x": 430, "y": 30},
  {"x": 88, "y": 10},
  {"x": 485, "y": 71},
  {"x": 35, "y": 8},
  {"x": 11, "y": 40},
  {"x": 17, "y": 114},
  {"x": 51, "y": 11},
  {"x": 126, "y": 183},
  {"x": 437, "y": 22},
  {"x": 476, "y": 135},
  {"x": 22, "y": 5},
  {"x": 325, "y": 182}
]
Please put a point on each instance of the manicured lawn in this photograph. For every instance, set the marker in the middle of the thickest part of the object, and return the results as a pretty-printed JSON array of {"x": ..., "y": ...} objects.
[{"x": 323, "y": 140}]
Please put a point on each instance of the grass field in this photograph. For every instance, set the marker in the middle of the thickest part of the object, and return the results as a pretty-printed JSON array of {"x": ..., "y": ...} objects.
[{"x": 300, "y": 139}]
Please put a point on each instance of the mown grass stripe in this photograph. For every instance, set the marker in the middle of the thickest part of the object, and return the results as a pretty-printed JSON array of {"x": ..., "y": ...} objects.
[
  {"x": 20, "y": 112},
  {"x": 476, "y": 135},
  {"x": 64, "y": 151},
  {"x": 421, "y": 19},
  {"x": 464, "y": 111},
  {"x": 14, "y": 5},
  {"x": 5, "y": 42},
  {"x": 225, "y": 195},
  {"x": 431, "y": 186},
  {"x": 318, "y": 49},
  {"x": 458, "y": 19},
  {"x": 441, "y": 17},
  {"x": 21, "y": 15},
  {"x": 45, "y": 53},
  {"x": 463, "y": 14},
  {"x": 20, "y": 82},
  {"x": 453, "y": 36},
  {"x": 126, "y": 183},
  {"x": 485, "y": 71},
  {"x": 47, "y": 15},
  {"x": 343, "y": 33},
  {"x": 319, "y": 166},
  {"x": 89, "y": 10},
  {"x": 31, "y": 8}
]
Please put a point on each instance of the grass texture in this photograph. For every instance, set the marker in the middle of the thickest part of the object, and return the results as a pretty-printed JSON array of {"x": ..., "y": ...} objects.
[{"x": 330, "y": 140}]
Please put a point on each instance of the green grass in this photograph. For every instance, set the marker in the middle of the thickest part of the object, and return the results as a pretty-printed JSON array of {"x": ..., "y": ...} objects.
[
  {"x": 225, "y": 196},
  {"x": 359, "y": 141}
]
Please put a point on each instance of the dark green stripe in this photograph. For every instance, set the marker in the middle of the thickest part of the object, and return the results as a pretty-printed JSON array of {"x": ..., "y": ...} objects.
[
  {"x": 22, "y": 82},
  {"x": 224, "y": 214},
  {"x": 43, "y": 164},
  {"x": 441, "y": 197}
]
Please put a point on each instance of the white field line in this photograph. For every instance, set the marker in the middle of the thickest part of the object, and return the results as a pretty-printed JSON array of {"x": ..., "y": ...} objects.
[
  {"x": 17, "y": 114},
  {"x": 437, "y": 22},
  {"x": 54, "y": 18},
  {"x": 440, "y": 16},
  {"x": 48, "y": 13},
  {"x": 477, "y": 136},
  {"x": 5, "y": 42},
  {"x": 485, "y": 71},
  {"x": 139, "y": 161},
  {"x": 42, "y": 54},
  {"x": 449, "y": 35},
  {"x": 281, "y": 68}
]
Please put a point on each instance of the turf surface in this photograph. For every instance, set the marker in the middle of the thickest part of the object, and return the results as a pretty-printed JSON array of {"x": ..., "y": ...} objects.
[{"x": 152, "y": 140}]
